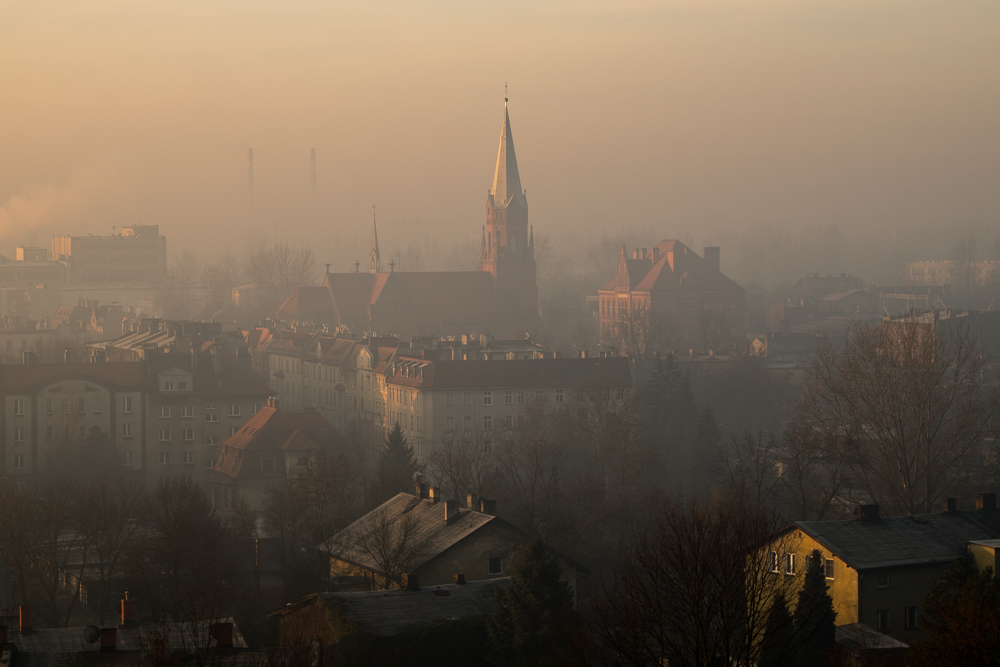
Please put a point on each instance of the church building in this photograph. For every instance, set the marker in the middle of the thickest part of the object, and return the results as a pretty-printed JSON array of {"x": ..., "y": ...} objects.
[{"x": 500, "y": 299}]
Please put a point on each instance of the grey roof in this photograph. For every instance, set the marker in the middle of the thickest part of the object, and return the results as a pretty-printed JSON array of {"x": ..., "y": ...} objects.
[
  {"x": 128, "y": 638},
  {"x": 388, "y": 613},
  {"x": 992, "y": 544},
  {"x": 430, "y": 530},
  {"x": 859, "y": 636},
  {"x": 897, "y": 541}
]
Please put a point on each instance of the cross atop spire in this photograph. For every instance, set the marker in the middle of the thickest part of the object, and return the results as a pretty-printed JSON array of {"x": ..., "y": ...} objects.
[
  {"x": 374, "y": 263},
  {"x": 506, "y": 179}
]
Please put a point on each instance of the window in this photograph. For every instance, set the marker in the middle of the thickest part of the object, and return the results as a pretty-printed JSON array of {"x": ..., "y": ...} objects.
[
  {"x": 539, "y": 395},
  {"x": 495, "y": 565},
  {"x": 468, "y": 422},
  {"x": 126, "y": 458},
  {"x": 209, "y": 462},
  {"x": 164, "y": 412},
  {"x": 212, "y": 417},
  {"x": 559, "y": 395},
  {"x": 182, "y": 386},
  {"x": 509, "y": 421},
  {"x": 234, "y": 411},
  {"x": 910, "y": 618},
  {"x": 882, "y": 579},
  {"x": 520, "y": 396},
  {"x": 508, "y": 397},
  {"x": 127, "y": 404},
  {"x": 82, "y": 405},
  {"x": 233, "y": 430},
  {"x": 48, "y": 433},
  {"x": 18, "y": 407},
  {"x": 789, "y": 563},
  {"x": 188, "y": 457},
  {"x": 732, "y": 309},
  {"x": 18, "y": 434},
  {"x": 126, "y": 430},
  {"x": 187, "y": 435},
  {"x": 212, "y": 440},
  {"x": 487, "y": 398},
  {"x": 883, "y": 620},
  {"x": 775, "y": 562},
  {"x": 828, "y": 567},
  {"x": 187, "y": 411},
  {"x": 97, "y": 405},
  {"x": 18, "y": 461},
  {"x": 267, "y": 465},
  {"x": 449, "y": 423},
  {"x": 255, "y": 408},
  {"x": 48, "y": 406},
  {"x": 449, "y": 398},
  {"x": 164, "y": 458},
  {"x": 168, "y": 386},
  {"x": 164, "y": 435}
]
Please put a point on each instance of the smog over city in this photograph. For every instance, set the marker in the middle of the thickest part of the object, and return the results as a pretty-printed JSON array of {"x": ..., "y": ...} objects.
[{"x": 580, "y": 332}]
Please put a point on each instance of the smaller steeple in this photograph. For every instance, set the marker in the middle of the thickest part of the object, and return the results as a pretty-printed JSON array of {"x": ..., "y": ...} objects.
[{"x": 374, "y": 264}]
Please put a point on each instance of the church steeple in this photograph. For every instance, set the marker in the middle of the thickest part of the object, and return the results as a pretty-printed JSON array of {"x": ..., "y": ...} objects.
[
  {"x": 506, "y": 179},
  {"x": 374, "y": 265}
]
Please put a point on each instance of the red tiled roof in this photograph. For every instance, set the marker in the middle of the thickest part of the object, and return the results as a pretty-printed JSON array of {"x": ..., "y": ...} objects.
[
  {"x": 308, "y": 304},
  {"x": 123, "y": 375},
  {"x": 678, "y": 268}
]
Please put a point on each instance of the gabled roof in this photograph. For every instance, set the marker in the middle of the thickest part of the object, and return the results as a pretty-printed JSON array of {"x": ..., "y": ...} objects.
[
  {"x": 670, "y": 266},
  {"x": 307, "y": 304},
  {"x": 431, "y": 529},
  {"x": 506, "y": 179},
  {"x": 389, "y": 613},
  {"x": 897, "y": 541}
]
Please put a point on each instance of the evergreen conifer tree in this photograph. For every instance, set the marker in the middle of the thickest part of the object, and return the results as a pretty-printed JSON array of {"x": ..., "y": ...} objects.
[
  {"x": 777, "y": 648},
  {"x": 815, "y": 619},
  {"x": 527, "y": 613},
  {"x": 396, "y": 467}
]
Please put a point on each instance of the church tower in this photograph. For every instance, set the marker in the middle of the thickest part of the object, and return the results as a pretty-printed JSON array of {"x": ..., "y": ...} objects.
[{"x": 508, "y": 248}]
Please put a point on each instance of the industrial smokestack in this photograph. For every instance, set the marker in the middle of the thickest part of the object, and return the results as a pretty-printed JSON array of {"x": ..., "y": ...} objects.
[
  {"x": 312, "y": 173},
  {"x": 250, "y": 174}
]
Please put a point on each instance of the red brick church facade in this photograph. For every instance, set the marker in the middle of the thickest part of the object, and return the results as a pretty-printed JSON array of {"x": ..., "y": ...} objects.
[{"x": 501, "y": 298}]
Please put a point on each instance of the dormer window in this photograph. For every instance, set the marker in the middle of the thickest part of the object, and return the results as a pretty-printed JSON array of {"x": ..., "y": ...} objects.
[{"x": 168, "y": 386}]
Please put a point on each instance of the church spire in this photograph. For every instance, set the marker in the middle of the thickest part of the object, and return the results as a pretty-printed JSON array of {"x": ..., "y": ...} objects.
[
  {"x": 374, "y": 265},
  {"x": 506, "y": 180}
]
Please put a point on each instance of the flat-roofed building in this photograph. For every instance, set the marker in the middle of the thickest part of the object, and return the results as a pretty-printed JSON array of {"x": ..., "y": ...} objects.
[{"x": 137, "y": 255}]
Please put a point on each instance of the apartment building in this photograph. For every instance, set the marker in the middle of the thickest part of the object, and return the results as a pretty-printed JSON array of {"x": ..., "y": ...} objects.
[
  {"x": 436, "y": 399},
  {"x": 138, "y": 254}
]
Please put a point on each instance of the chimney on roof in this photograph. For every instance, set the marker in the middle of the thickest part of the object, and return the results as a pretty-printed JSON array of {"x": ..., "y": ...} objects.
[
  {"x": 470, "y": 501},
  {"x": 644, "y": 254},
  {"x": 487, "y": 506},
  {"x": 109, "y": 640},
  {"x": 272, "y": 402},
  {"x": 986, "y": 501},
  {"x": 223, "y": 634},
  {"x": 655, "y": 252},
  {"x": 951, "y": 505},
  {"x": 421, "y": 491},
  {"x": 435, "y": 494},
  {"x": 128, "y": 611},
  {"x": 712, "y": 257},
  {"x": 867, "y": 513},
  {"x": 410, "y": 581},
  {"x": 460, "y": 579},
  {"x": 451, "y": 511},
  {"x": 24, "y": 612}
]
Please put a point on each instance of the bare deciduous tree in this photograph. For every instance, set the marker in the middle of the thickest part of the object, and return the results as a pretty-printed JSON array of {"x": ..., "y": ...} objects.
[
  {"x": 278, "y": 270},
  {"x": 393, "y": 542},
  {"x": 463, "y": 464}
]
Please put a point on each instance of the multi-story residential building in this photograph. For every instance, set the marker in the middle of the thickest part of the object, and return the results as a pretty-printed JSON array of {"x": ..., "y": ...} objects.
[
  {"x": 50, "y": 407},
  {"x": 270, "y": 447},
  {"x": 136, "y": 255},
  {"x": 670, "y": 297},
  {"x": 959, "y": 274},
  {"x": 433, "y": 400},
  {"x": 31, "y": 268}
]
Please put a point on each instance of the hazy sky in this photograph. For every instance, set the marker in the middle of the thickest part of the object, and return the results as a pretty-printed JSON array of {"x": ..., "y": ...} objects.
[{"x": 706, "y": 120}]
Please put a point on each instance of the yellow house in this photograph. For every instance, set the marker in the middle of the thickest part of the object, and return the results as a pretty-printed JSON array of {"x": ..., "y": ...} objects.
[{"x": 879, "y": 569}]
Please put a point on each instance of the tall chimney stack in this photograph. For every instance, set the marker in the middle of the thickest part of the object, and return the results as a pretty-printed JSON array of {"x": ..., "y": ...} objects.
[
  {"x": 250, "y": 175},
  {"x": 312, "y": 173}
]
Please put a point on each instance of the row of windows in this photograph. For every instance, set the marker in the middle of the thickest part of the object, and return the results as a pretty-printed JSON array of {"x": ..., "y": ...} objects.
[
  {"x": 211, "y": 411},
  {"x": 909, "y": 619},
  {"x": 187, "y": 435},
  {"x": 787, "y": 562},
  {"x": 510, "y": 397},
  {"x": 508, "y": 422},
  {"x": 17, "y": 406}
]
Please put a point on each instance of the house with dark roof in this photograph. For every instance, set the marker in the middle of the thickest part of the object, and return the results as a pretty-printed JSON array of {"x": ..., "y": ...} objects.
[
  {"x": 671, "y": 296},
  {"x": 430, "y": 540},
  {"x": 879, "y": 569},
  {"x": 266, "y": 450},
  {"x": 500, "y": 298}
]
